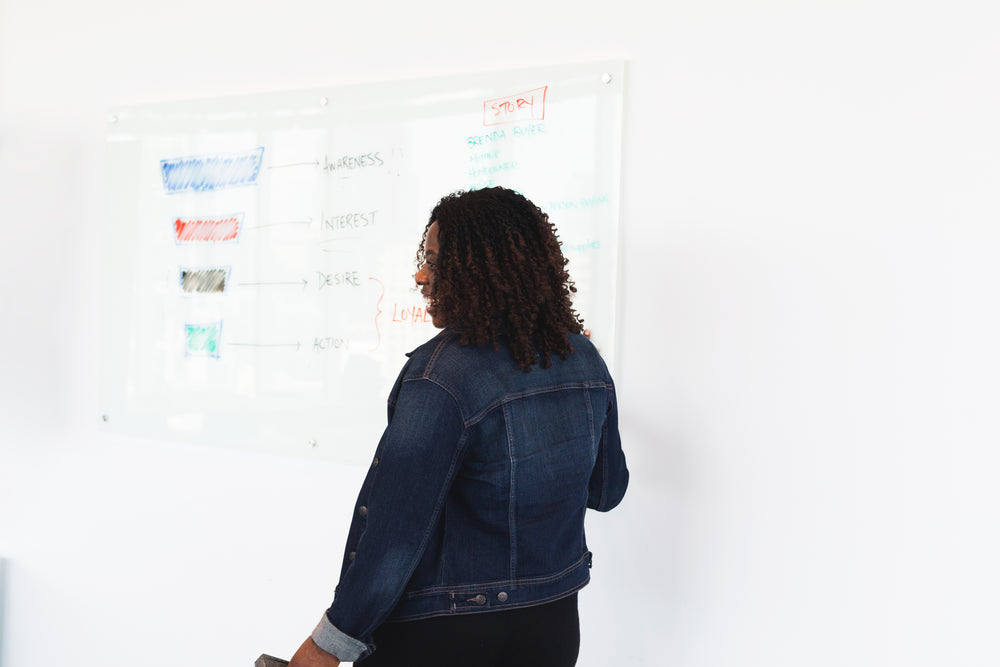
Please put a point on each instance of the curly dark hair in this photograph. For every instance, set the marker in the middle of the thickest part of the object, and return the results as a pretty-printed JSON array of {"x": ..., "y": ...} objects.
[{"x": 500, "y": 271}]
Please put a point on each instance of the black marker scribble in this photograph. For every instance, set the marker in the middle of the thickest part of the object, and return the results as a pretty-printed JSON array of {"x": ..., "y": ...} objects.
[{"x": 204, "y": 281}]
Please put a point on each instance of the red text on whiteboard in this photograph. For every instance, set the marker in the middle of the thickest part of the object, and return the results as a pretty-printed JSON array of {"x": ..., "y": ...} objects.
[{"x": 529, "y": 105}]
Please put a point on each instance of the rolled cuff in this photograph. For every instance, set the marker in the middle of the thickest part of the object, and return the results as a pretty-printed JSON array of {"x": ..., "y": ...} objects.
[{"x": 336, "y": 642}]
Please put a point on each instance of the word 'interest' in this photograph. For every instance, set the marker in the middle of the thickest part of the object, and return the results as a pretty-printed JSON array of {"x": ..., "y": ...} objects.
[{"x": 350, "y": 220}]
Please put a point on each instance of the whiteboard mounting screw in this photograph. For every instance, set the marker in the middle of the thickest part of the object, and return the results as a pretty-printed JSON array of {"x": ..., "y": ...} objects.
[
  {"x": 323, "y": 101},
  {"x": 312, "y": 443},
  {"x": 606, "y": 78},
  {"x": 105, "y": 418}
]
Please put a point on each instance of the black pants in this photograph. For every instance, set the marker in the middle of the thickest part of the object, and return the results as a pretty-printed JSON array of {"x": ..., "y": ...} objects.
[{"x": 546, "y": 635}]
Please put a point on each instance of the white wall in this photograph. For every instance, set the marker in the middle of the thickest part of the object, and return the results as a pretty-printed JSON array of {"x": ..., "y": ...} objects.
[{"x": 808, "y": 353}]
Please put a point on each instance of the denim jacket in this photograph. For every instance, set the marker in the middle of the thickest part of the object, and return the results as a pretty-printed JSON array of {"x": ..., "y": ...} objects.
[{"x": 476, "y": 495}]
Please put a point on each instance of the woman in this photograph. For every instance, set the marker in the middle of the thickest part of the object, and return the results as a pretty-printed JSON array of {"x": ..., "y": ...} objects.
[{"x": 467, "y": 544}]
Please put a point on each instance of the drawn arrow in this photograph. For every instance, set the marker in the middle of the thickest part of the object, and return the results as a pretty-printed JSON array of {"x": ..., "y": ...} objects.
[
  {"x": 295, "y": 345},
  {"x": 287, "y": 222},
  {"x": 314, "y": 163},
  {"x": 302, "y": 282}
]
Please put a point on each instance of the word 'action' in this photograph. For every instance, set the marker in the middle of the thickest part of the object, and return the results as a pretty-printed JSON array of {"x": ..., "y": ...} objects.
[{"x": 329, "y": 343}]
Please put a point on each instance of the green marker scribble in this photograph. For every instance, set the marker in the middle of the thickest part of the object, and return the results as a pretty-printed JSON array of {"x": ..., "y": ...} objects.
[{"x": 202, "y": 339}]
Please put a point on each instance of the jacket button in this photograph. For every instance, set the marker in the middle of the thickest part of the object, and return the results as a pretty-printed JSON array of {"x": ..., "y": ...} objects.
[
  {"x": 363, "y": 511},
  {"x": 351, "y": 555},
  {"x": 502, "y": 596},
  {"x": 479, "y": 599},
  {"x": 375, "y": 462}
]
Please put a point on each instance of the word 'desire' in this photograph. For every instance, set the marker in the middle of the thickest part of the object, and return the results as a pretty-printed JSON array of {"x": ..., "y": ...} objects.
[{"x": 529, "y": 105}]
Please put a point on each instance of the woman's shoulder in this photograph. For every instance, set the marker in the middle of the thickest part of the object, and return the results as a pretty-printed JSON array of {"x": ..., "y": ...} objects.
[
  {"x": 488, "y": 373},
  {"x": 428, "y": 352}
]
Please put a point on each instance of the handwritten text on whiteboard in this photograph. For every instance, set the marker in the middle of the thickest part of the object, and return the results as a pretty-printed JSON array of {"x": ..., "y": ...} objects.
[{"x": 529, "y": 105}]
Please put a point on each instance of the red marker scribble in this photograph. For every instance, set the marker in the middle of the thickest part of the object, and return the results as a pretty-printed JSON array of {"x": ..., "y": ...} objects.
[
  {"x": 208, "y": 230},
  {"x": 379, "y": 312},
  {"x": 529, "y": 105}
]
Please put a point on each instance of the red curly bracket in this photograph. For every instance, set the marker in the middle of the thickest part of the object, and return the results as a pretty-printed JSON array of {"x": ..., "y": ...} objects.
[{"x": 377, "y": 307}]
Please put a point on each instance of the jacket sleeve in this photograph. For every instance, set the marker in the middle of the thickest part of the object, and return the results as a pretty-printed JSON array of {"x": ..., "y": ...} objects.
[
  {"x": 609, "y": 478},
  {"x": 397, "y": 509}
]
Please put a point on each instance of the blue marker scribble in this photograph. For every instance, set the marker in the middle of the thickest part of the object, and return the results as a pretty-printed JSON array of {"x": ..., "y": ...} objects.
[{"x": 204, "y": 173}]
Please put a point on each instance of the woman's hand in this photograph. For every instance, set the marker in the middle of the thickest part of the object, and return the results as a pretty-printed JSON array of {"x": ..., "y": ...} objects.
[{"x": 310, "y": 655}]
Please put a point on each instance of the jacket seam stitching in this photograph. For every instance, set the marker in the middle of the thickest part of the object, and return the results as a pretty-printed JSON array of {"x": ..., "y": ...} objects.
[
  {"x": 511, "y": 521},
  {"x": 439, "y": 503},
  {"x": 454, "y": 610},
  {"x": 425, "y": 374},
  {"x": 510, "y": 398},
  {"x": 501, "y": 583}
]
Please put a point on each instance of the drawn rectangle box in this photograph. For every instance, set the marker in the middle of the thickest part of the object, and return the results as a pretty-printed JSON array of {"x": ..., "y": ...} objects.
[
  {"x": 207, "y": 173},
  {"x": 208, "y": 229},
  {"x": 526, "y": 106},
  {"x": 203, "y": 340}
]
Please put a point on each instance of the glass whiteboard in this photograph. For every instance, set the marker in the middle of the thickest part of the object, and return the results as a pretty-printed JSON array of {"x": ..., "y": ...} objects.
[{"x": 259, "y": 250}]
